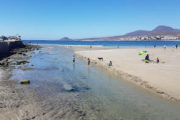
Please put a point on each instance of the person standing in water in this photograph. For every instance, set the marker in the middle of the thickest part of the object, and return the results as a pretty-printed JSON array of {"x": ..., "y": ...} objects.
[
  {"x": 73, "y": 59},
  {"x": 110, "y": 63},
  {"x": 89, "y": 61}
]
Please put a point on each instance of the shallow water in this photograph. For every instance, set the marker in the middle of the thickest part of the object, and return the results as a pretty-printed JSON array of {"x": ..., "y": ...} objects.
[{"x": 80, "y": 91}]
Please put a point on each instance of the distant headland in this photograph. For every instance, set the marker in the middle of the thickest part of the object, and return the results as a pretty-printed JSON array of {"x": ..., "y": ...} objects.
[
  {"x": 159, "y": 33},
  {"x": 65, "y": 39}
]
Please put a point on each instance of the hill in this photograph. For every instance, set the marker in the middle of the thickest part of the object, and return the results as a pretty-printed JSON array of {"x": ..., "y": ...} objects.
[
  {"x": 159, "y": 33},
  {"x": 65, "y": 39}
]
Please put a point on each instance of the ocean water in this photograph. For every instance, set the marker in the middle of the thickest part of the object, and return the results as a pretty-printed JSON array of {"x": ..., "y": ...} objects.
[
  {"x": 107, "y": 43},
  {"x": 81, "y": 92}
]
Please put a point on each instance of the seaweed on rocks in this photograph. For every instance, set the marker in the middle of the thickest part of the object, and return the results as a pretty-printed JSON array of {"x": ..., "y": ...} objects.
[{"x": 16, "y": 54}]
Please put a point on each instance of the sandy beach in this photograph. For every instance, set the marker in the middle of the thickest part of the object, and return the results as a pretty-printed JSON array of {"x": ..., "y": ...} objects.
[{"x": 162, "y": 78}]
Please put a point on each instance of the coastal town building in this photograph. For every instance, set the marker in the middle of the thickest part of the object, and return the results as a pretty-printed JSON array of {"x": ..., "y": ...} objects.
[
  {"x": 10, "y": 38},
  {"x": 148, "y": 37},
  {"x": 9, "y": 43}
]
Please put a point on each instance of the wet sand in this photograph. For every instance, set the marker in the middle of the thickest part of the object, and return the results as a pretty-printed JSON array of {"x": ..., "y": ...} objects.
[
  {"x": 16, "y": 102},
  {"x": 162, "y": 78}
]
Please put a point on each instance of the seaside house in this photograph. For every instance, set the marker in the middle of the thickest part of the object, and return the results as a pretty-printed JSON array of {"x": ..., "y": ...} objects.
[
  {"x": 9, "y": 43},
  {"x": 14, "y": 38},
  {"x": 10, "y": 38}
]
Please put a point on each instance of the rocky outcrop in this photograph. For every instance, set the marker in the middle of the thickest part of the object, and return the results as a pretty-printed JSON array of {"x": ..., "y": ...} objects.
[{"x": 6, "y": 46}]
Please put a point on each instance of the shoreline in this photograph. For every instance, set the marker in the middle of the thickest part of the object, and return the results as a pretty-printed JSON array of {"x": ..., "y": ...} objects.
[
  {"x": 22, "y": 102},
  {"x": 124, "y": 75}
]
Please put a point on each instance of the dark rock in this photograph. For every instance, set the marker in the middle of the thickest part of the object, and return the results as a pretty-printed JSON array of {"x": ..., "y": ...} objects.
[
  {"x": 25, "y": 82},
  {"x": 21, "y": 62},
  {"x": 33, "y": 117},
  {"x": 43, "y": 113},
  {"x": 2, "y": 105},
  {"x": 160, "y": 92}
]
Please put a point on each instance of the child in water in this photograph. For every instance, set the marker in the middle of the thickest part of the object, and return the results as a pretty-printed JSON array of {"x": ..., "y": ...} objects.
[
  {"x": 88, "y": 61},
  {"x": 73, "y": 58},
  {"x": 110, "y": 63}
]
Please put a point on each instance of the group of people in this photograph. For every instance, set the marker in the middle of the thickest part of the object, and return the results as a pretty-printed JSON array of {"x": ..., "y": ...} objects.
[
  {"x": 147, "y": 60},
  {"x": 74, "y": 59},
  {"x": 110, "y": 62},
  {"x": 176, "y": 46}
]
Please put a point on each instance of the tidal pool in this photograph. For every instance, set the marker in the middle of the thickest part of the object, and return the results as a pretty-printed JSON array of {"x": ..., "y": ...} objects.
[{"x": 78, "y": 91}]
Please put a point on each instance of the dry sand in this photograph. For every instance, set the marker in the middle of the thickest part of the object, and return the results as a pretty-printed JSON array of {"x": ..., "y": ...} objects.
[{"x": 162, "y": 78}]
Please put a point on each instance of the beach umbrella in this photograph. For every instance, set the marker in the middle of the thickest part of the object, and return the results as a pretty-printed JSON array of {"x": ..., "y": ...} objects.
[{"x": 143, "y": 52}]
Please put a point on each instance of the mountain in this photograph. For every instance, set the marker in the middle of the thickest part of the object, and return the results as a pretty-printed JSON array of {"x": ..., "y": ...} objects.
[
  {"x": 165, "y": 30},
  {"x": 160, "y": 30},
  {"x": 159, "y": 33}
]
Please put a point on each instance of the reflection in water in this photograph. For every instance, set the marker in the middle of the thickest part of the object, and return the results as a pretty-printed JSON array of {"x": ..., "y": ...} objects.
[
  {"x": 74, "y": 67},
  {"x": 78, "y": 91}
]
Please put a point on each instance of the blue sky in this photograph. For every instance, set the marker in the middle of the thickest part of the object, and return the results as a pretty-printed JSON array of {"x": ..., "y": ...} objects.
[{"x": 54, "y": 19}]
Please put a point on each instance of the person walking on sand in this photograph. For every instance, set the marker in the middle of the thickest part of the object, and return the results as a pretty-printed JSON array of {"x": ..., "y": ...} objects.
[
  {"x": 164, "y": 46},
  {"x": 89, "y": 61},
  {"x": 73, "y": 59},
  {"x": 176, "y": 46},
  {"x": 155, "y": 46}
]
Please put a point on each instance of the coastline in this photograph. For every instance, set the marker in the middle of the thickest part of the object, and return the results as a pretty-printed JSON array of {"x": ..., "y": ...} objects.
[
  {"x": 26, "y": 102},
  {"x": 128, "y": 40},
  {"x": 157, "y": 83}
]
